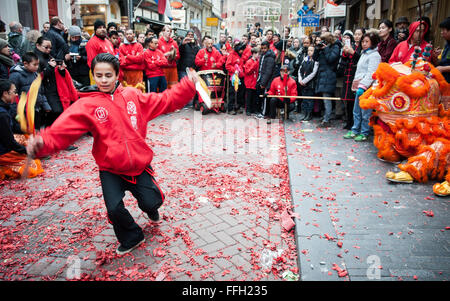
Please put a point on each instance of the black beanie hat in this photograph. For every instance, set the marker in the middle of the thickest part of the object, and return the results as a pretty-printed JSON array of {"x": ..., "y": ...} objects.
[{"x": 98, "y": 23}]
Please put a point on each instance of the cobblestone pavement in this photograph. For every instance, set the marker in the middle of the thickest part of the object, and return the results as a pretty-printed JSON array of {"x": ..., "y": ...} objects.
[
  {"x": 221, "y": 219},
  {"x": 353, "y": 221}
]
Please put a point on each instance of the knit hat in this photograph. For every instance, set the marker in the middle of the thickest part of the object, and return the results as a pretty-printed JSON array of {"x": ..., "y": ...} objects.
[
  {"x": 74, "y": 31},
  {"x": 98, "y": 24},
  {"x": 3, "y": 44},
  {"x": 402, "y": 20},
  {"x": 111, "y": 24},
  {"x": 348, "y": 32}
]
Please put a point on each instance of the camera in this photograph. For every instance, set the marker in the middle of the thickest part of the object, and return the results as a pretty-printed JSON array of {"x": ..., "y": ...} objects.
[
  {"x": 59, "y": 62},
  {"x": 73, "y": 56}
]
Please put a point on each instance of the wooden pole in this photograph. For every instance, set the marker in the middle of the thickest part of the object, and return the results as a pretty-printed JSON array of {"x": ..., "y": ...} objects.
[{"x": 302, "y": 97}]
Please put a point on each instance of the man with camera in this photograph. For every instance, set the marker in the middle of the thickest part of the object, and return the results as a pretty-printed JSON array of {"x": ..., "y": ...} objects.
[
  {"x": 77, "y": 65},
  {"x": 188, "y": 51}
]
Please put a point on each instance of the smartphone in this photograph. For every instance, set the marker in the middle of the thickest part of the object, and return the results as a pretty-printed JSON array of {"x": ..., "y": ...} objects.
[
  {"x": 348, "y": 43},
  {"x": 59, "y": 62}
]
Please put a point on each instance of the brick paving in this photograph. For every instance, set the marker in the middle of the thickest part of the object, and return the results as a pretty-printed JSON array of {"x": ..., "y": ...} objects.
[
  {"x": 339, "y": 189},
  {"x": 221, "y": 213}
]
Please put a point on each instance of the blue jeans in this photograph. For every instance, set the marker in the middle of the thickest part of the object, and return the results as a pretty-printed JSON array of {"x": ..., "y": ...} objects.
[
  {"x": 328, "y": 107},
  {"x": 360, "y": 119},
  {"x": 157, "y": 82}
]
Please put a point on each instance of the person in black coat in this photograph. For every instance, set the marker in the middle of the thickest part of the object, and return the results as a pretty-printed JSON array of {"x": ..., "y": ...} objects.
[
  {"x": 60, "y": 48},
  {"x": 8, "y": 96},
  {"x": 266, "y": 73},
  {"x": 77, "y": 66},
  {"x": 327, "y": 54},
  {"x": 347, "y": 69},
  {"x": 6, "y": 61},
  {"x": 188, "y": 51}
]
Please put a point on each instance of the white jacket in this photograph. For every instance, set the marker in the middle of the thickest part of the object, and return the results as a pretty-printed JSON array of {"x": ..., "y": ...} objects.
[{"x": 367, "y": 65}]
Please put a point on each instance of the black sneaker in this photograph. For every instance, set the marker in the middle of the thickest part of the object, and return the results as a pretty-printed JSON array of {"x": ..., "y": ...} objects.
[
  {"x": 71, "y": 148},
  {"x": 154, "y": 216},
  {"x": 122, "y": 250}
]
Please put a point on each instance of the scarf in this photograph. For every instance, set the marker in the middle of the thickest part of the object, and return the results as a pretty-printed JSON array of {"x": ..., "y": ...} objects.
[
  {"x": 66, "y": 90},
  {"x": 7, "y": 61}
]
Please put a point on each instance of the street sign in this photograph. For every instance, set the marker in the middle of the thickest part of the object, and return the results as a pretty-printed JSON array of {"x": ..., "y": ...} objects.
[
  {"x": 312, "y": 20},
  {"x": 212, "y": 22}
]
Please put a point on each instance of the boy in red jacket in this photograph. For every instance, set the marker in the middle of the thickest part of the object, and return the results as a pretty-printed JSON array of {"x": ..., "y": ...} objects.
[
  {"x": 235, "y": 65},
  {"x": 131, "y": 59},
  {"x": 283, "y": 86},
  {"x": 250, "y": 76},
  {"x": 154, "y": 62},
  {"x": 117, "y": 117}
]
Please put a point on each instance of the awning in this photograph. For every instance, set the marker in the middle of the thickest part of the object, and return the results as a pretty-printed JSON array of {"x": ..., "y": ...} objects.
[{"x": 145, "y": 20}]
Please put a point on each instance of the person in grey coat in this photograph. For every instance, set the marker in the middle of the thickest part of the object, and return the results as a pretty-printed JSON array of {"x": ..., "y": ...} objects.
[
  {"x": 327, "y": 54},
  {"x": 367, "y": 65}
]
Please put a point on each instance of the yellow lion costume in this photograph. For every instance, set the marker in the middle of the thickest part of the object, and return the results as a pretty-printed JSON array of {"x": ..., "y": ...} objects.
[{"x": 411, "y": 121}]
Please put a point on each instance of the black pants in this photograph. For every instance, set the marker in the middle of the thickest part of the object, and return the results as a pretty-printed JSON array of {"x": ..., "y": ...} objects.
[
  {"x": 275, "y": 103},
  {"x": 147, "y": 193},
  {"x": 237, "y": 97},
  {"x": 251, "y": 101},
  {"x": 262, "y": 105}
]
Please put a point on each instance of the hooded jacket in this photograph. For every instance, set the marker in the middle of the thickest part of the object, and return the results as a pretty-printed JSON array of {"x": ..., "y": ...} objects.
[
  {"x": 118, "y": 123},
  {"x": 266, "y": 71},
  {"x": 7, "y": 141},
  {"x": 235, "y": 63},
  {"x": 96, "y": 46},
  {"x": 187, "y": 56},
  {"x": 154, "y": 61},
  {"x": 23, "y": 79},
  {"x": 251, "y": 73},
  {"x": 134, "y": 53},
  {"x": 166, "y": 46},
  {"x": 404, "y": 51}
]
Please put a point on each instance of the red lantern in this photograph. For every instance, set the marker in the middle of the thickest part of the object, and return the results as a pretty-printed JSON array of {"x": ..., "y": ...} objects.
[{"x": 176, "y": 4}]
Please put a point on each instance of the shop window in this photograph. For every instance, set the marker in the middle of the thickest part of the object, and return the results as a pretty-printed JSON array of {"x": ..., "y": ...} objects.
[
  {"x": 90, "y": 13},
  {"x": 25, "y": 8}
]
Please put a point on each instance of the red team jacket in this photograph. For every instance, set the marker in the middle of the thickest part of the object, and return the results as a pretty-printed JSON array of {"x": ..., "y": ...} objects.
[
  {"x": 213, "y": 57},
  {"x": 134, "y": 53},
  {"x": 278, "y": 87},
  {"x": 154, "y": 61},
  {"x": 251, "y": 73},
  {"x": 166, "y": 47},
  {"x": 234, "y": 60},
  {"x": 118, "y": 123},
  {"x": 95, "y": 46}
]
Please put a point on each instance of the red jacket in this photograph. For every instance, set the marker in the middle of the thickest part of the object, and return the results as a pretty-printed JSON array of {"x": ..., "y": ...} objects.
[
  {"x": 118, "y": 124},
  {"x": 404, "y": 51},
  {"x": 154, "y": 61},
  {"x": 134, "y": 56},
  {"x": 247, "y": 53},
  {"x": 213, "y": 57},
  {"x": 235, "y": 62},
  {"x": 95, "y": 46},
  {"x": 278, "y": 87},
  {"x": 251, "y": 73},
  {"x": 166, "y": 46}
]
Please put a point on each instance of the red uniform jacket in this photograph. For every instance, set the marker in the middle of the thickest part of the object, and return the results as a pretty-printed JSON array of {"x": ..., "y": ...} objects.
[
  {"x": 404, "y": 51},
  {"x": 166, "y": 46},
  {"x": 118, "y": 123},
  {"x": 134, "y": 56},
  {"x": 154, "y": 61},
  {"x": 278, "y": 87},
  {"x": 247, "y": 53},
  {"x": 213, "y": 57},
  {"x": 235, "y": 62},
  {"x": 95, "y": 46},
  {"x": 251, "y": 73}
]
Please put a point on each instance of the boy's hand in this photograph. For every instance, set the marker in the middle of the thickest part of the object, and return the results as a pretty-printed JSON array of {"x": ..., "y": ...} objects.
[
  {"x": 192, "y": 75},
  {"x": 35, "y": 143}
]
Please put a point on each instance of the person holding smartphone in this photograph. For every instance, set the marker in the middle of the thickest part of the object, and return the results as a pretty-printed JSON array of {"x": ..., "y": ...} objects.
[{"x": 188, "y": 51}]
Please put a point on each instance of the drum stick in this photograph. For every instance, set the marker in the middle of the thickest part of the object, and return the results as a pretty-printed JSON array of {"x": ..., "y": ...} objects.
[{"x": 302, "y": 97}]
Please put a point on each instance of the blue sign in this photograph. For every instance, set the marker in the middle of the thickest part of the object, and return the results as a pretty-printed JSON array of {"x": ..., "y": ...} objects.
[{"x": 310, "y": 20}]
